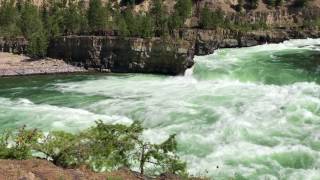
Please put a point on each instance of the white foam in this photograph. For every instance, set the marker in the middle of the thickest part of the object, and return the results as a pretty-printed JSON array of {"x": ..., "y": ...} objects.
[
  {"x": 45, "y": 116},
  {"x": 240, "y": 126}
]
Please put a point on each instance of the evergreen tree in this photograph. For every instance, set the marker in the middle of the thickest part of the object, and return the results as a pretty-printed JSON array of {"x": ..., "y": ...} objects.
[
  {"x": 145, "y": 26},
  {"x": 37, "y": 47},
  {"x": 182, "y": 12},
  {"x": 19, "y": 4},
  {"x": 72, "y": 19},
  {"x": 130, "y": 19},
  {"x": 30, "y": 20},
  {"x": 122, "y": 26},
  {"x": 159, "y": 16},
  {"x": 84, "y": 20},
  {"x": 96, "y": 15},
  {"x": 8, "y": 18},
  {"x": 55, "y": 22},
  {"x": 211, "y": 19},
  {"x": 183, "y": 8},
  {"x": 205, "y": 17},
  {"x": 32, "y": 29},
  {"x": 8, "y": 12}
]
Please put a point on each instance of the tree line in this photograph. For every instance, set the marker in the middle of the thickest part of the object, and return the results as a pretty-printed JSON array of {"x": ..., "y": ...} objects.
[
  {"x": 40, "y": 24},
  {"x": 55, "y": 18}
]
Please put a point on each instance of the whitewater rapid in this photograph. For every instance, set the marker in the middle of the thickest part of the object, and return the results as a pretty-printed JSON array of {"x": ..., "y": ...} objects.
[{"x": 239, "y": 113}]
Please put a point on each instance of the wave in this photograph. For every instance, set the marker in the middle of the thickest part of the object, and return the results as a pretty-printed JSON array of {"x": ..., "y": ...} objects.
[
  {"x": 244, "y": 112},
  {"x": 47, "y": 117},
  {"x": 285, "y": 63}
]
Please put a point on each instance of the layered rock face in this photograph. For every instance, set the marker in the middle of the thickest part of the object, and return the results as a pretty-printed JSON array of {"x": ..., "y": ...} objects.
[
  {"x": 153, "y": 55},
  {"x": 13, "y": 45},
  {"x": 206, "y": 41},
  {"x": 117, "y": 54},
  {"x": 137, "y": 55}
]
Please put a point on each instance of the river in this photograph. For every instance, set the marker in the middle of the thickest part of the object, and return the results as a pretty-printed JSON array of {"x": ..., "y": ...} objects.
[{"x": 246, "y": 112}]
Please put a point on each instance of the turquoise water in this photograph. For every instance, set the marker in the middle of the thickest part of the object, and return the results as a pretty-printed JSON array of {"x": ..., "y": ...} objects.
[{"x": 249, "y": 113}]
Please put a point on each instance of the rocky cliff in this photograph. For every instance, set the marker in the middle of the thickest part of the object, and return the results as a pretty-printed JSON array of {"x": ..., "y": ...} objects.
[
  {"x": 206, "y": 41},
  {"x": 174, "y": 55},
  {"x": 153, "y": 55},
  {"x": 116, "y": 54}
]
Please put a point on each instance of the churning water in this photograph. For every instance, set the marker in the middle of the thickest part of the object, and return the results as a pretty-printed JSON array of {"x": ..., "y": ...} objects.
[{"x": 249, "y": 113}]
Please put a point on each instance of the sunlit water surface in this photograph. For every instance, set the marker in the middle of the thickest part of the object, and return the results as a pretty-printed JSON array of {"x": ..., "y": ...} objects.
[{"x": 245, "y": 113}]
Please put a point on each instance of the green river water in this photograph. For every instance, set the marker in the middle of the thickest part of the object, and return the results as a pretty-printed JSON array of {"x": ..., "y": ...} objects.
[{"x": 249, "y": 113}]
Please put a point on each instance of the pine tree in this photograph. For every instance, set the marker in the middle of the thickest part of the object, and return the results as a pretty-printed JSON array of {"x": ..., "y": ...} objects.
[
  {"x": 146, "y": 26},
  {"x": 37, "y": 47},
  {"x": 30, "y": 20},
  {"x": 84, "y": 27},
  {"x": 160, "y": 19},
  {"x": 8, "y": 19},
  {"x": 32, "y": 28},
  {"x": 131, "y": 22},
  {"x": 72, "y": 19},
  {"x": 211, "y": 19},
  {"x": 205, "y": 17},
  {"x": 96, "y": 16},
  {"x": 8, "y": 12},
  {"x": 122, "y": 27},
  {"x": 183, "y": 8}
]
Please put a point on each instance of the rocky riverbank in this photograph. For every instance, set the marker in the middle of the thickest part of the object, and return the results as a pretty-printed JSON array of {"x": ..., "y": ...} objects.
[
  {"x": 155, "y": 55},
  {"x": 226, "y": 24},
  {"x": 138, "y": 55},
  {"x": 14, "y": 65},
  {"x": 35, "y": 169}
]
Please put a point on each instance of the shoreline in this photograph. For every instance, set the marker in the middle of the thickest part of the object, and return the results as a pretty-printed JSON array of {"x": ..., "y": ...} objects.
[
  {"x": 21, "y": 65},
  {"x": 33, "y": 169},
  {"x": 15, "y": 65}
]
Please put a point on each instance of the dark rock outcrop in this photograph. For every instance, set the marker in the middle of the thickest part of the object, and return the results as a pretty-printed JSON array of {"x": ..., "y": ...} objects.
[
  {"x": 153, "y": 55},
  {"x": 207, "y": 41},
  {"x": 125, "y": 54},
  {"x": 13, "y": 45}
]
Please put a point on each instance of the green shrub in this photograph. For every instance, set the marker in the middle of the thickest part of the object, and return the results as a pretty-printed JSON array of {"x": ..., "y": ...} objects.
[
  {"x": 102, "y": 147},
  {"x": 211, "y": 19},
  {"x": 18, "y": 145},
  {"x": 38, "y": 44},
  {"x": 182, "y": 10},
  {"x": 62, "y": 148}
]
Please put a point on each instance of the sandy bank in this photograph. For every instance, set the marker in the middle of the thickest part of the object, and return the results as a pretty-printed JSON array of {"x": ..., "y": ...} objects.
[{"x": 15, "y": 65}]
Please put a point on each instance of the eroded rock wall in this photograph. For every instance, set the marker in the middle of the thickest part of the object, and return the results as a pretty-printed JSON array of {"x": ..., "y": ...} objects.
[
  {"x": 13, "y": 45},
  {"x": 153, "y": 55},
  {"x": 115, "y": 54},
  {"x": 207, "y": 41}
]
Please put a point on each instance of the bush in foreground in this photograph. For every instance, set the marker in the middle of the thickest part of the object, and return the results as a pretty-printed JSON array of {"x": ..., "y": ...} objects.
[{"x": 102, "y": 147}]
